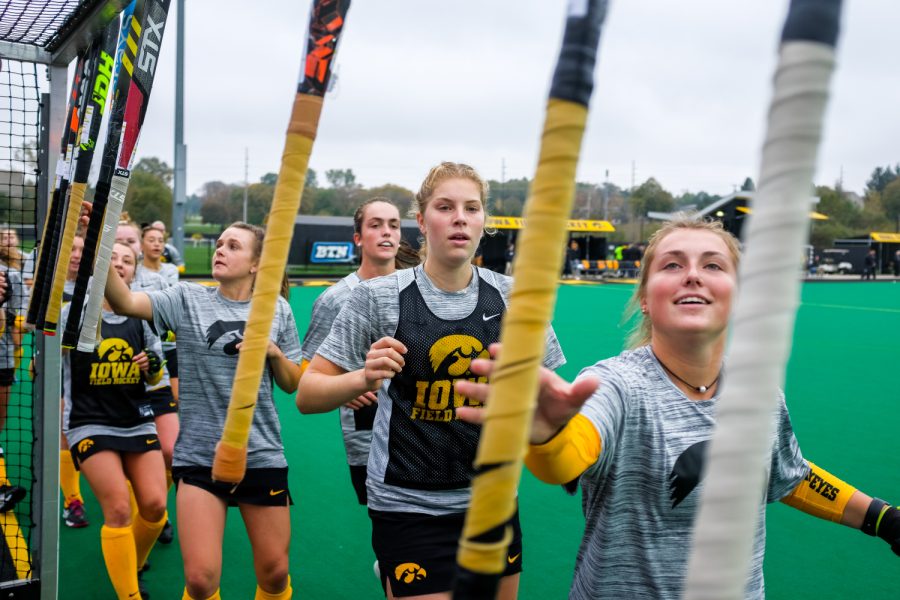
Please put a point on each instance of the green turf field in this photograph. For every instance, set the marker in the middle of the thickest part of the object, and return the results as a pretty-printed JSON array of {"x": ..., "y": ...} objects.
[{"x": 842, "y": 390}]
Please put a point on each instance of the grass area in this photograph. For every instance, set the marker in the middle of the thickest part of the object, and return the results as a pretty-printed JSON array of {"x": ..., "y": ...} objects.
[
  {"x": 198, "y": 263},
  {"x": 190, "y": 228}
]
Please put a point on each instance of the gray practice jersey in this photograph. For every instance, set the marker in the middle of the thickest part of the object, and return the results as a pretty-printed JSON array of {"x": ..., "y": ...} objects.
[
  {"x": 324, "y": 311},
  {"x": 372, "y": 312},
  {"x": 641, "y": 497},
  {"x": 209, "y": 327},
  {"x": 146, "y": 280},
  {"x": 15, "y": 305}
]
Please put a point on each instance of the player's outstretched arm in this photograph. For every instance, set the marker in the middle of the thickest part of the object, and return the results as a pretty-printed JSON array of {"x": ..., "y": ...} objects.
[
  {"x": 825, "y": 496},
  {"x": 558, "y": 400},
  {"x": 125, "y": 302}
]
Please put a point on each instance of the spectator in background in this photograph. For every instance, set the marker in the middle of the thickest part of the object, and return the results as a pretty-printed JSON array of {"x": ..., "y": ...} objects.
[
  {"x": 869, "y": 265},
  {"x": 510, "y": 256},
  {"x": 897, "y": 263},
  {"x": 170, "y": 252},
  {"x": 572, "y": 267}
]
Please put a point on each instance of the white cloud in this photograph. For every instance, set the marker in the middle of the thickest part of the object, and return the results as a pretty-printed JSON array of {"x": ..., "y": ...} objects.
[{"x": 682, "y": 90}]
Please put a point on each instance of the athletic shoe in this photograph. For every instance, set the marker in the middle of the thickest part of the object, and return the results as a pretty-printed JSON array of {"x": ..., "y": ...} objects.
[
  {"x": 10, "y": 496},
  {"x": 167, "y": 534},
  {"x": 75, "y": 516},
  {"x": 142, "y": 585}
]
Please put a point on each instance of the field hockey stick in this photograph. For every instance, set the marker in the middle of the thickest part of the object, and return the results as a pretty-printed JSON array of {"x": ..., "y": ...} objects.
[
  {"x": 138, "y": 76},
  {"x": 128, "y": 37},
  {"x": 514, "y": 382},
  {"x": 96, "y": 88},
  {"x": 46, "y": 249},
  {"x": 326, "y": 22},
  {"x": 763, "y": 320}
]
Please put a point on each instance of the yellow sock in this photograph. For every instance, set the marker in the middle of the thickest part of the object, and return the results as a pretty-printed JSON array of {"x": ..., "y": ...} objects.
[
  {"x": 145, "y": 534},
  {"x": 133, "y": 502},
  {"x": 69, "y": 479},
  {"x": 121, "y": 560},
  {"x": 286, "y": 594},
  {"x": 3, "y": 479},
  {"x": 187, "y": 596},
  {"x": 17, "y": 356}
]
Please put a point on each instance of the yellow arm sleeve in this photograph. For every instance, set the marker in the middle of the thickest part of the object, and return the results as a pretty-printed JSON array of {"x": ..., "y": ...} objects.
[
  {"x": 568, "y": 454},
  {"x": 821, "y": 494}
]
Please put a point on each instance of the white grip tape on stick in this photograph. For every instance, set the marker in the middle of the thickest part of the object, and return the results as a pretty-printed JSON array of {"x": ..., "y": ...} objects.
[
  {"x": 117, "y": 189},
  {"x": 761, "y": 327}
]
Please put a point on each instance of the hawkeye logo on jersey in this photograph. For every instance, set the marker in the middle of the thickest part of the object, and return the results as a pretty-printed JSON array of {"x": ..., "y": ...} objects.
[
  {"x": 114, "y": 366},
  {"x": 85, "y": 445},
  {"x": 409, "y": 572},
  {"x": 234, "y": 330},
  {"x": 450, "y": 357}
]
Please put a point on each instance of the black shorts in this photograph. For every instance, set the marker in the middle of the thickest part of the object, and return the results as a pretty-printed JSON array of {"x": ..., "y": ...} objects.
[
  {"x": 7, "y": 377},
  {"x": 260, "y": 487},
  {"x": 162, "y": 401},
  {"x": 172, "y": 362},
  {"x": 93, "y": 444},
  {"x": 418, "y": 552},
  {"x": 358, "y": 479}
]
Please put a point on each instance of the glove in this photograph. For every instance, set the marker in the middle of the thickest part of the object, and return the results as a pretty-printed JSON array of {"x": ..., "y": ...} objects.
[
  {"x": 883, "y": 520},
  {"x": 156, "y": 363}
]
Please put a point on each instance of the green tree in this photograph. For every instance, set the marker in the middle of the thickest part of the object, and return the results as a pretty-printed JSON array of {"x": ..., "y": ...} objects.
[
  {"x": 341, "y": 178},
  {"x": 881, "y": 177},
  {"x": 507, "y": 199},
  {"x": 837, "y": 208},
  {"x": 272, "y": 178},
  {"x": 650, "y": 196},
  {"x": 399, "y": 195},
  {"x": 748, "y": 186},
  {"x": 890, "y": 201},
  {"x": 312, "y": 180},
  {"x": 216, "y": 205},
  {"x": 148, "y": 198},
  {"x": 695, "y": 200},
  {"x": 154, "y": 166}
]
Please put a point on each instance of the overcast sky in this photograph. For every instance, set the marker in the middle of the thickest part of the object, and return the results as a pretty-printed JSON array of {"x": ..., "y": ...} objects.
[{"x": 681, "y": 90}]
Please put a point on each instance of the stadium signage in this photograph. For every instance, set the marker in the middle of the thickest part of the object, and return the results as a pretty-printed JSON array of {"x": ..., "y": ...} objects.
[
  {"x": 571, "y": 225},
  {"x": 332, "y": 252}
]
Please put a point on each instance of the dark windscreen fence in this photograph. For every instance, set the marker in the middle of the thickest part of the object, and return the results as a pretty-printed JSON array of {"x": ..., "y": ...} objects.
[{"x": 19, "y": 145}]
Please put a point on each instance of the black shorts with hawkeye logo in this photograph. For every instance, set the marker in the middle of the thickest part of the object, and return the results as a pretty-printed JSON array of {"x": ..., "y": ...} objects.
[
  {"x": 417, "y": 553},
  {"x": 260, "y": 487},
  {"x": 93, "y": 444}
]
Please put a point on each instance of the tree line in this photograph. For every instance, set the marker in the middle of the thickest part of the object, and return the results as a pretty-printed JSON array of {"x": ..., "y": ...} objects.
[{"x": 338, "y": 194}]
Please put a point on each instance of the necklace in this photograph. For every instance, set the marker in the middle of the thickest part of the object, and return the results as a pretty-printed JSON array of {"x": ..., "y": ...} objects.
[{"x": 702, "y": 389}]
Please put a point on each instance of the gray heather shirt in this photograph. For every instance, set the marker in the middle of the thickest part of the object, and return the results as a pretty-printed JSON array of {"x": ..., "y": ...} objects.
[
  {"x": 324, "y": 311},
  {"x": 208, "y": 327},
  {"x": 641, "y": 496},
  {"x": 167, "y": 271},
  {"x": 15, "y": 305},
  {"x": 372, "y": 312},
  {"x": 146, "y": 280}
]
